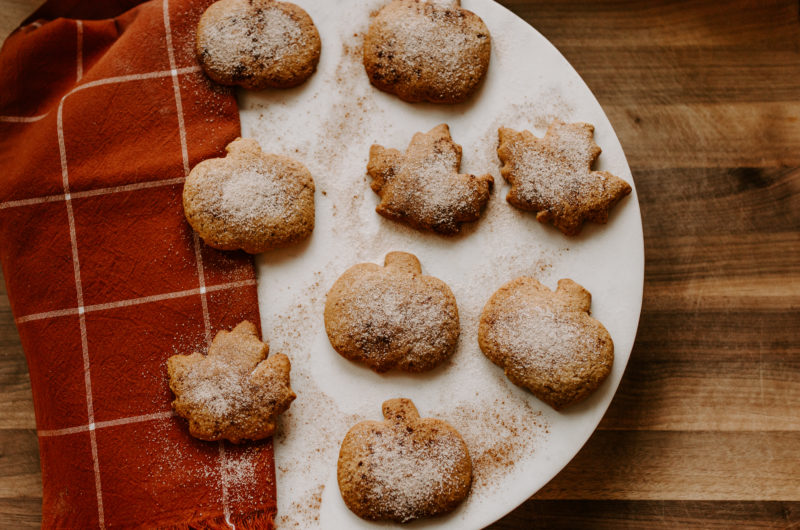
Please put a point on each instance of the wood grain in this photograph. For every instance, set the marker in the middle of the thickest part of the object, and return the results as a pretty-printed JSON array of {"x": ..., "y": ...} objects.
[
  {"x": 705, "y": 428},
  {"x": 14, "y": 12},
  {"x": 668, "y": 515}
]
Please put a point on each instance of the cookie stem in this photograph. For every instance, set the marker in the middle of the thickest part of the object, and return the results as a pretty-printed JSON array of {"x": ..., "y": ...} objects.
[
  {"x": 400, "y": 410},
  {"x": 403, "y": 261}
]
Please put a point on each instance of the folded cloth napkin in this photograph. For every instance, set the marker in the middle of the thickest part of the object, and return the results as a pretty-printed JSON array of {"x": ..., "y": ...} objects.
[{"x": 103, "y": 111}]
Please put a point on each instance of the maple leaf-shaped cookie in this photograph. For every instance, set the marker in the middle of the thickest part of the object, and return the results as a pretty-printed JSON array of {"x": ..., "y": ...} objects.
[
  {"x": 423, "y": 188},
  {"x": 553, "y": 176},
  {"x": 546, "y": 341},
  {"x": 235, "y": 392},
  {"x": 404, "y": 467}
]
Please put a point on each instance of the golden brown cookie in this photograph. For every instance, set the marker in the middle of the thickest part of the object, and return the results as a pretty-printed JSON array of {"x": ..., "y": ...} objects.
[
  {"x": 404, "y": 467},
  {"x": 235, "y": 392},
  {"x": 423, "y": 188},
  {"x": 257, "y": 43},
  {"x": 249, "y": 200},
  {"x": 553, "y": 176},
  {"x": 427, "y": 50},
  {"x": 546, "y": 341},
  {"x": 392, "y": 316}
]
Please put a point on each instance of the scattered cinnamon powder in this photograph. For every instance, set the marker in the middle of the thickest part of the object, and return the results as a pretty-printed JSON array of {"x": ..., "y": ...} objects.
[
  {"x": 331, "y": 134},
  {"x": 499, "y": 432},
  {"x": 304, "y": 510}
]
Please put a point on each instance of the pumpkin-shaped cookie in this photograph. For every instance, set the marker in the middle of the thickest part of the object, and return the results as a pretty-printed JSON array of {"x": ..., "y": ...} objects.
[
  {"x": 257, "y": 43},
  {"x": 392, "y": 316},
  {"x": 546, "y": 341},
  {"x": 430, "y": 50},
  {"x": 404, "y": 467},
  {"x": 249, "y": 200}
]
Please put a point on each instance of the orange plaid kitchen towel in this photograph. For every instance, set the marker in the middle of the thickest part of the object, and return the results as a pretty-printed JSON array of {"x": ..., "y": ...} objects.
[{"x": 103, "y": 111}]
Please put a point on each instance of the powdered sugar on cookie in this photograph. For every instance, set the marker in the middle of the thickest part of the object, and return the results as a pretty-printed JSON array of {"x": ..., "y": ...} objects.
[
  {"x": 249, "y": 194},
  {"x": 406, "y": 473},
  {"x": 552, "y": 176},
  {"x": 234, "y": 392},
  {"x": 257, "y": 43},
  {"x": 423, "y": 187},
  {"x": 546, "y": 341},
  {"x": 249, "y": 199},
  {"x": 403, "y": 468},
  {"x": 427, "y": 51},
  {"x": 398, "y": 312},
  {"x": 436, "y": 37},
  {"x": 537, "y": 338},
  {"x": 393, "y": 316},
  {"x": 245, "y": 34},
  {"x": 434, "y": 196}
]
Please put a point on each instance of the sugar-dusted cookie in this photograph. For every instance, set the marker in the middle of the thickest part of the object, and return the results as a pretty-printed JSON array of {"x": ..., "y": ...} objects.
[
  {"x": 553, "y": 176},
  {"x": 427, "y": 50},
  {"x": 249, "y": 200},
  {"x": 404, "y": 467},
  {"x": 257, "y": 43},
  {"x": 235, "y": 392},
  {"x": 423, "y": 188},
  {"x": 546, "y": 341},
  {"x": 392, "y": 316}
]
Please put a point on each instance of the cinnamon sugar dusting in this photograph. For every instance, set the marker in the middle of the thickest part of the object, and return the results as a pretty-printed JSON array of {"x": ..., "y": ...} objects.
[
  {"x": 243, "y": 34},
  {"x": 233, "y": 392},
  {"x": 423, "y": 186},
  {"x": 427, "y": 51},
  {"x": 389, "y": 318},
  {"x": 406, "y": 473},
  {"x": 499, "y": 432},
  {"x": 433, "y": 36},
  {"x": 331, "y": 133},
  {"x": 250, "y": 193},
  {"x": 538, "y": 338},
  {"x": 555, "y": 169}
]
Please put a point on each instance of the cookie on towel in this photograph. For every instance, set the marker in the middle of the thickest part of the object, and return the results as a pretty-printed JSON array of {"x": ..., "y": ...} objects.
[
  {"x": 546, "y": 341},
  {"x": 403, "y": 468},
  {"x": 257, "y": 44},
  {"x": 553, "y": 176},
  {"x": 249, "y": 200},
  {"x": 431, "y": 50},
  {"x": 423, "y": 188},
  {"x": 392, "y": 316},
  {"x": 235, "y": 392}
]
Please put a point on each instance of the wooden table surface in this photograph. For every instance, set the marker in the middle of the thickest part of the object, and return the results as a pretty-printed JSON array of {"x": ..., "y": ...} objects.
[{"x": 705, "y": 428}]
